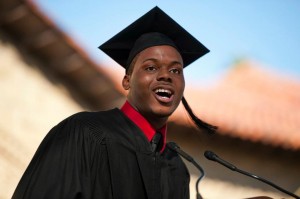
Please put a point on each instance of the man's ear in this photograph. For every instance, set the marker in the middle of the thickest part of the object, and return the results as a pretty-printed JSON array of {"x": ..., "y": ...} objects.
[{"x": 126, "y": 82}]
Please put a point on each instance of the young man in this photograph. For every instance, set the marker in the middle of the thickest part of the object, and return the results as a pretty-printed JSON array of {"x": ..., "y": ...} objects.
[{"x": 121, "y": 153}]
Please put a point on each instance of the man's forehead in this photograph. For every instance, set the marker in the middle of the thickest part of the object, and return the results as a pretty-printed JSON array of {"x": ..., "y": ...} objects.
[{"x": 161, "y": 53}]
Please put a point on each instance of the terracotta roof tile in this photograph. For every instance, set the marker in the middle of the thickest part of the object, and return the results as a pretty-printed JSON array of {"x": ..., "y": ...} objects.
[{"x": 252, "y": 104}]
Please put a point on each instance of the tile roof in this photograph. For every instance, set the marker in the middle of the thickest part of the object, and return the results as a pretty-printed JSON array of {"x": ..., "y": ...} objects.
[
  {"x": 252, "y": 104},
  {"x": 61, "y": 59}
]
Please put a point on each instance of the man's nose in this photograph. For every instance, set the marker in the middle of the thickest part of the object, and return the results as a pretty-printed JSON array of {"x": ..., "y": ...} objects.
[{"x": 164, "y": 75}]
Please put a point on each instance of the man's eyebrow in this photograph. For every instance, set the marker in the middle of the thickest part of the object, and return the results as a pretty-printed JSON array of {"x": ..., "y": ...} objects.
[
  {"x": 156, "y": 60},
  {"x": 150, "y": 59}
]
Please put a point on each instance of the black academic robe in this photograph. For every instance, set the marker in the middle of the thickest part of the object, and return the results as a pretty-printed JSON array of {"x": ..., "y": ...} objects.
[{"x": 102, "y": 155}]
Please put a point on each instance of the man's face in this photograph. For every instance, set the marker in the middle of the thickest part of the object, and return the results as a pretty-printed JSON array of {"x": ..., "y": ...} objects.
[{"x": 156, "y": 83}]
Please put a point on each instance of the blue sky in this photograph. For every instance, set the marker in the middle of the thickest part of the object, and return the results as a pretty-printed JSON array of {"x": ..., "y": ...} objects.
[{"x": 266, "y": 31}]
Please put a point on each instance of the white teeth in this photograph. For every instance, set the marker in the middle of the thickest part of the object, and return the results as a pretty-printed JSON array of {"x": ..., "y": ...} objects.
[{"x": 162, "y": 90}]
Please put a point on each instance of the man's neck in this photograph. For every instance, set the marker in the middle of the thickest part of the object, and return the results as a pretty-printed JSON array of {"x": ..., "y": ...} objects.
[
  {"x": 143, "y": 123},
  {"x": 156, "y": 122}
]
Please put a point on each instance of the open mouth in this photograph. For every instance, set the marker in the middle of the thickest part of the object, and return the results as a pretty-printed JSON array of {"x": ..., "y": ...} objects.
[{"x": 164, "y": 95}]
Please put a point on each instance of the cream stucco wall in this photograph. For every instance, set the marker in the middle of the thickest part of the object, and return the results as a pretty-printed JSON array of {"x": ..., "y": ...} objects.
[{"x": 30, "y": 106}]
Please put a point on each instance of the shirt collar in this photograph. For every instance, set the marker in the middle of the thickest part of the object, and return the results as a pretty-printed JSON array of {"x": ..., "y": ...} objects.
[{"x": 142, "y": 123}]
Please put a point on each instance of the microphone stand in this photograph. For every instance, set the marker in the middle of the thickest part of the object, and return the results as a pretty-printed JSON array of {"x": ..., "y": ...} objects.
[
  {"x": 173, "y": 146},
  {"x": 212, "y": 156}
]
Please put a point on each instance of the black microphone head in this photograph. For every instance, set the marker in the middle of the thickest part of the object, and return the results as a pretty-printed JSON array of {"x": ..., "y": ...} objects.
[
  {"x": 173, "y": 146},
  {"x": 210, "y": 155}
]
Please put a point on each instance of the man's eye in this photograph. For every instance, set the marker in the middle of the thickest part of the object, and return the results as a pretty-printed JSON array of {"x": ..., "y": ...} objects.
[
  {"x": 175, "y": 70},
  {"x": 150, "y": 68}
]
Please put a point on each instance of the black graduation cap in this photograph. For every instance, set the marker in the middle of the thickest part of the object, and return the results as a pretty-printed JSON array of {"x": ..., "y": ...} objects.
[{"x": 153, "y": 29}]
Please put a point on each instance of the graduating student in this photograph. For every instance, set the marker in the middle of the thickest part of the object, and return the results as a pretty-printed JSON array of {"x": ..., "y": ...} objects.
[{"x": 121, "y": 153}]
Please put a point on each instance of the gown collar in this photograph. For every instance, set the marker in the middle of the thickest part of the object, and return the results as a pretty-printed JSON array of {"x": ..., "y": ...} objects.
[{"x": 143, "y": 124}]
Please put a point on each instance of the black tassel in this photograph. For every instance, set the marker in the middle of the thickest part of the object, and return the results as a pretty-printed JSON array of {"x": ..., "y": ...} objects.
[{"x": 199, "y": 123}]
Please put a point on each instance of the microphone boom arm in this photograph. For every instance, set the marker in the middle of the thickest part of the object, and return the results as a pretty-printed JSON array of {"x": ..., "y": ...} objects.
[
  {"x": 173, "y": 146},
  {"x": 212, "y": 156}
]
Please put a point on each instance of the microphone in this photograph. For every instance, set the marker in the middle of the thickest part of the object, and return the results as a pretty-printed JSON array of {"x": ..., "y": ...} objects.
[
  {"x": 173, "y": 146},
  {"x": 212, "y": 156}
]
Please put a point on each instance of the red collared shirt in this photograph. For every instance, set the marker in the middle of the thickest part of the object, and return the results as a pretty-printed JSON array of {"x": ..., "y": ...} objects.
[{"x": 142, "y": 123}]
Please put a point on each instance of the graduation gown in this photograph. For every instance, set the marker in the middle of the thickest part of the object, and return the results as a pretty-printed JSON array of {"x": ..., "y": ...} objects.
[{"x": 102, "y": 155}]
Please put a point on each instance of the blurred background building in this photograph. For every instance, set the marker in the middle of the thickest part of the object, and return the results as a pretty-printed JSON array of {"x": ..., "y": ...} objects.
[{"x": 45, "y": 76}]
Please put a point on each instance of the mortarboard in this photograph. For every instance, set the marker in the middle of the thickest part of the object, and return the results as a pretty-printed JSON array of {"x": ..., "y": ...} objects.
[{"x": 153, "y": 29}]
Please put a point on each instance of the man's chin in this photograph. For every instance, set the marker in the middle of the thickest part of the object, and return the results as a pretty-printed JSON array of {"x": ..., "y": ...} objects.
[{"x": 166, "y": 112}]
